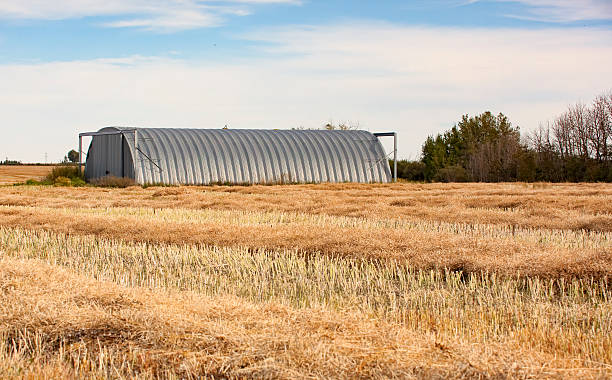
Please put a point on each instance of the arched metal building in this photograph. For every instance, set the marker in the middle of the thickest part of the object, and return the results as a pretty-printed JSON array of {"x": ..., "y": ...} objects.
[{"x": 207, "y": 156}]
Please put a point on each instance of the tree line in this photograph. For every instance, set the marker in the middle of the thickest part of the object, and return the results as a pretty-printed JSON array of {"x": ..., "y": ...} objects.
[{"x": 575, "y": 147}]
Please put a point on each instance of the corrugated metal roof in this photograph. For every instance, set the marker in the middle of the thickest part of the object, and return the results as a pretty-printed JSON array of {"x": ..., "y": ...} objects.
[{"x": 204, "y": 156}]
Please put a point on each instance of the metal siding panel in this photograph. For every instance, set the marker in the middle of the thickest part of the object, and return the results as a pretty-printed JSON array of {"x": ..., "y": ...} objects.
[
  {"x": 352, "y": 145},
  {"x": 324, "y": 157},
  {"x": 232, "y": 162},
  {"x": 262, "y": 167},
  {"x": 345, "y": 159},
  {"x": 275, "y": 173},
  {"x": 203, "y": 175},
  {"x": 286, "y": 157},
  {"x": 190, "y": 158},
  {"x": 223, "y": 157},
  {"x": 156, "y": 150},
  {"x": 128, "y": 162},
  {"x": 317, "y": 160},
  {"x": 301, "y": 156},
  {"x": 327, "y": 157},
  {"x": 271, "y": 145},
  {"x": 335, "y": 157},
  {"x": 133, "y": 167},
  {"x": 218, "y": 153},
  {"x": 211, "y": 155},
  {"x": 371, "y": 161},
  {"x": 266, "y": 174},
  {"x": 367, "y": 163},
  {"x": 105, "y": 157},
  {"x": 194, "y": 160},
  {"x": 243, "y": 163},
  {"x": 247, "y": 167},
  {"x": 356, "y": 158},
  {"x": 274, "y": 145},
  {"x": 308, "y": 146},
  {"x": 164, "y": 158},
  {"x": 148, "y": 142},
  {"x": 314, "y": 159},
  {"x": 176, "y": 159},
  {"x": 258, "y": 175},
  {"x": 289, "y": 156},
  {"x": 174, "y": 156},
  {"x": 91, "y": 161},
  {"x": 145, "y": 167}
]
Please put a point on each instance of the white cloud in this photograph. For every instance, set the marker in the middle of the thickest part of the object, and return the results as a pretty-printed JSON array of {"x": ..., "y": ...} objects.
[
  {"x": 563, "y": 10},
  {"x": 164, "y": 15},
  {"x": 417, "y": 81}
]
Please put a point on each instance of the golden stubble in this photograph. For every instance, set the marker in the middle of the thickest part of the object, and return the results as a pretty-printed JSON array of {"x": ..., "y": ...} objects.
[
  {"x": 424, "y": 244},
  {"x": 540, "y": 205},
  {"x": 59, "y": 324}
]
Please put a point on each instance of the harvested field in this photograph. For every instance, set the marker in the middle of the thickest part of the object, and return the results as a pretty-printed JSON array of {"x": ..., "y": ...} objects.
[
  {"x": 10, "y": 174},
  {"x": 539, "y": 205},
  {"x": 349, "y": 281}
]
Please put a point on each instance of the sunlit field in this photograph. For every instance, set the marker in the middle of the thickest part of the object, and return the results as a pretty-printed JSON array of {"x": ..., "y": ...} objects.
[
  {"x": 10, "y": 174},
  {"x": 307, "y": 281}
]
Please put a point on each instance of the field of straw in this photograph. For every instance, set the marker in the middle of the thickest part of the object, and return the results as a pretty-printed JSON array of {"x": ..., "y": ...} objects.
[
  {"x": 307, "y": 281},
  {"x": 10, "y": 174}
]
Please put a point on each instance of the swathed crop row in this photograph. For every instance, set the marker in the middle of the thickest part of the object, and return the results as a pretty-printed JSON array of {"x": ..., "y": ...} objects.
[
  {"x": 569, "y": 318},
  {"x": 550, "y": 237}
]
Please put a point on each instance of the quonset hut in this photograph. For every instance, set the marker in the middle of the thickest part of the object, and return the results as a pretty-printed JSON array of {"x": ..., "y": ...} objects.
[{"x": 236, "y": 156}]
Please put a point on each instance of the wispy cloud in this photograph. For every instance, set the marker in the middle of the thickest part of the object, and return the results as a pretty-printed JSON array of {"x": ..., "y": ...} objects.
[
  {"x": 161, "y": 15},
  {"x": 415, "y": 80},
  {"x": 561, "y": 10}
]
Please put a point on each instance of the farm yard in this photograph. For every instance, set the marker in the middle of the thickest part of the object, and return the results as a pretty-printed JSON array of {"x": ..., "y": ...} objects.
[{"x": 507, "y": 280}]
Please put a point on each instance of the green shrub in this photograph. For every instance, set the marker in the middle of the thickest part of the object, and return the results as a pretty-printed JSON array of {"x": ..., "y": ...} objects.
[
  {"x": 78, "y": 182},
  {"x": 35, "y": 182},
  {"x": 410, "y": 170},
  {"x": 71, "y": 172},
  {"x": 62, "y": 181}
]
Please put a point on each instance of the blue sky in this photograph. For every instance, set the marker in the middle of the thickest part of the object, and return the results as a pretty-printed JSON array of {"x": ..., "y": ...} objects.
[{"x": 410, "y": 66}]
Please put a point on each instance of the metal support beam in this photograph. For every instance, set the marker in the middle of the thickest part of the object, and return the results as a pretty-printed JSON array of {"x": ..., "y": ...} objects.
[
  {"x": 394, "y": 157},
  {"x": 80, "y": 154},
  {"x": 389, "y": 134}
]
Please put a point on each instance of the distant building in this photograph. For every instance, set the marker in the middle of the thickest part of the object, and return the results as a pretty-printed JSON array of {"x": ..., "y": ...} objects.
[{"x": 236, "y": 156}]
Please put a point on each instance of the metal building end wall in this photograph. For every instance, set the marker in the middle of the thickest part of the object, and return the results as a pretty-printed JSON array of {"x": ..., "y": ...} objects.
[{"x": 208, "y": 156}]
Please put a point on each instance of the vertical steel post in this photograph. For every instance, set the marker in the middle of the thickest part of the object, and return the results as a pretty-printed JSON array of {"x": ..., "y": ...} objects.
[
  {"x": 394, "y": 156},
  {"x": 136, "y": 157},
  {"x": 389, "y": 134},
  {"x": 121, "y": 138},
  {"x": 80, "y": 154}
]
